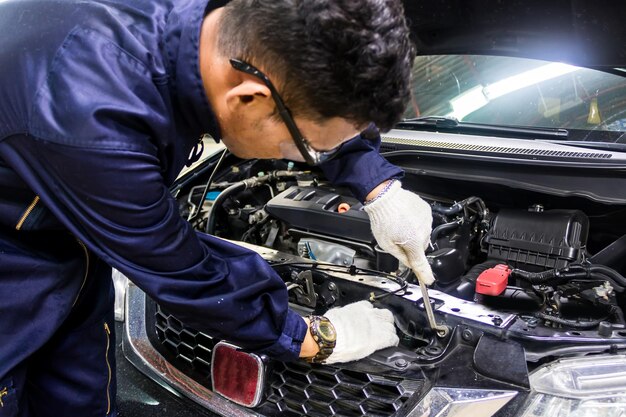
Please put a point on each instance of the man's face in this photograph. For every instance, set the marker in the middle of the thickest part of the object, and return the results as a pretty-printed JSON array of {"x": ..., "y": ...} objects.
[
  {"x": 245, "y": 109},
  {"x": 250, "y": 135}
]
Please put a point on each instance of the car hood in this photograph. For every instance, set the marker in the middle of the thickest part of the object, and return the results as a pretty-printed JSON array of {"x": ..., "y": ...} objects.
[{"x": 583, "y": 33}]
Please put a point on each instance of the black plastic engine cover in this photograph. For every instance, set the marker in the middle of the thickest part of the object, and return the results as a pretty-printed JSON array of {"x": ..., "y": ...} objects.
[
  {"x": 549, "y": 239},
  {"x": 314, "y": 209}
]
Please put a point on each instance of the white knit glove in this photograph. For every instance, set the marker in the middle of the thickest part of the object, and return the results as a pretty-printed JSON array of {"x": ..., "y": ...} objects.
[
  {"x": 361, "y": 330},
  {"x": 401, "y": 223}
]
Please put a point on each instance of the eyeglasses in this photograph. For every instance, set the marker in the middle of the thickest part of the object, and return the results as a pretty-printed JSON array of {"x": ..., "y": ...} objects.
[{"x": 310, "y": 155}]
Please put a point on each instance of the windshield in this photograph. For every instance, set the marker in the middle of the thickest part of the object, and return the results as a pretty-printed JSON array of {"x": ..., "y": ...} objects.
[{"x": 520, "y": 92}]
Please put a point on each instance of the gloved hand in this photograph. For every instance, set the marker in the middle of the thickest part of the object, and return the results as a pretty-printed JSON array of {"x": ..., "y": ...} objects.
[
  {"x": 361, "y": 330},
  {"x": 401, "y": 223}
]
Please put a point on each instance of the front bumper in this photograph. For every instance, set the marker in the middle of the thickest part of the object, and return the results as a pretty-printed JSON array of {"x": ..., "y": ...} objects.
[{"x": 294, "y": 389}]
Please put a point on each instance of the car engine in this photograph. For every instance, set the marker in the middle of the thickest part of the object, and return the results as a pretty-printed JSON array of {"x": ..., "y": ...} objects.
[{"x": 522, "y": 272}]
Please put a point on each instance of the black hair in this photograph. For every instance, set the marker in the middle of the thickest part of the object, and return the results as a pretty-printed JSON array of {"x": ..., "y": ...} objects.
[{"x": 328, "y": 58}]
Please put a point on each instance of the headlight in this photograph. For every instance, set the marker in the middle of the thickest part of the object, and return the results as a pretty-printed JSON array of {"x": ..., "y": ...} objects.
[
  {"x": 579, "y": 387},
  {"x": 120, "y": 282}
]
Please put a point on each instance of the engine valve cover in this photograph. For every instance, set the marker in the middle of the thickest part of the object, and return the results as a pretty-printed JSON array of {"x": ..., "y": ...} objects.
[{"x": 323, "y": 211}]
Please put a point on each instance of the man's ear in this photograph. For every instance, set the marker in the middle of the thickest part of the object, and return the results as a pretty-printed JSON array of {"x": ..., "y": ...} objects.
[{"x": 250, "y": 95}]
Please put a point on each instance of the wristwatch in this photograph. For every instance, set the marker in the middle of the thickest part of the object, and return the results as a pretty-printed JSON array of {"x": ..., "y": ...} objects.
[{"x": 323, "y": 333}]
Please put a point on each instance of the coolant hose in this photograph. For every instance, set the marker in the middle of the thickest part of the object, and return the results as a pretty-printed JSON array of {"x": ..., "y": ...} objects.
[
  {"x": 583, "y": 275},
  {"x": 240, "y": 186},
  {"x": 443, "y": 228},
  {"x": 458, "y": 207},
  {"x": 617, "y": 312},
  {"x": 236, "y": 187},
  {"x": 616, "y": 276},
  {"x": 453, "y": 209}
]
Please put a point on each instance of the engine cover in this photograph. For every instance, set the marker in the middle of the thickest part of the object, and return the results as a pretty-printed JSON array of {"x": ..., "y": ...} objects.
[{"x": 317, "y": 210}]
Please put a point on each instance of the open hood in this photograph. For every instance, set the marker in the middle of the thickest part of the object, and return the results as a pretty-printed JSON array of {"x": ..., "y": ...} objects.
[{"x": 580, "y": 32}]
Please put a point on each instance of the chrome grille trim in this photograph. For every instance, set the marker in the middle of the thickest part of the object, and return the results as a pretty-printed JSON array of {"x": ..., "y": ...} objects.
[{"x": 457, "y": 402}]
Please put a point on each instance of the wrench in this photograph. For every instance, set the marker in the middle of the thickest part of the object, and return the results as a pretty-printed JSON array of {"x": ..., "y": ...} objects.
[{"x": 441, "y": 330}]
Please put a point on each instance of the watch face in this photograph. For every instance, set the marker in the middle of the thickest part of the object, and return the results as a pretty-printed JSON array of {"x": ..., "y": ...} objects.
[{"x": 327, "y": 331}]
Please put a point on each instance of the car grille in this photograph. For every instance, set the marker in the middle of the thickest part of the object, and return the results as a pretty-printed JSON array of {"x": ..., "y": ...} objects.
[
  {"x": 317, "y": 390},
  {"x": 190, "y": 349},
  {"x": 295, "y": 388}
]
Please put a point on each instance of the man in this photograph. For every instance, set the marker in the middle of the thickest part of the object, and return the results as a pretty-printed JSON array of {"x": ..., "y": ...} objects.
[{"x": 101, "y": 105}]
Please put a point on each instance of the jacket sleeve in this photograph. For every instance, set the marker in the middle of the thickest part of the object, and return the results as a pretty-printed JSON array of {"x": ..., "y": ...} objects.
[
  {"x": 359, "y": 166},
  {"x": 117, "y": 203},
  {"x": 96, "y": 153}
]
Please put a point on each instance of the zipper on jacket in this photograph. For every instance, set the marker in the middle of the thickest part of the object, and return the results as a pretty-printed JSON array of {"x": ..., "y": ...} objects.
[
  {"x": 106, "y": 358},
  {"x": 29, "y": 210},
  {"x": 82, "y": 245}
]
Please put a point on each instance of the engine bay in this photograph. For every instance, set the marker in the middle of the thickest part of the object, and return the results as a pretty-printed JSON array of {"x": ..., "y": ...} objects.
[{"x": 533, "y": 269}]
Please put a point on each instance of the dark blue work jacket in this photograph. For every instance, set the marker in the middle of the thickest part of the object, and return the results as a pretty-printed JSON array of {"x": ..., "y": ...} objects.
[{"x": 100, "y": 105}]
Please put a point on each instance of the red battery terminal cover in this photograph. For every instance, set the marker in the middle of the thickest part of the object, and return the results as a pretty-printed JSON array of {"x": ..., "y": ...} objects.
[{"x": 494, "y": 280}]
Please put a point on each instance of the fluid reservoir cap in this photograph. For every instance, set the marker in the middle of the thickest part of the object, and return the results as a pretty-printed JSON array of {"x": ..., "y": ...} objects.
[
  {"x": 343, "y": 207},
  {"x": 305, "y": 180},
  {"x": 212, "y": 195}
]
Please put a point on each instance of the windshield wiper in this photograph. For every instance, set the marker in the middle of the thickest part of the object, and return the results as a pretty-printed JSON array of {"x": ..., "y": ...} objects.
[
  {"x": 451, "y": 124},
  {"x": 439, "y": 121}
]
